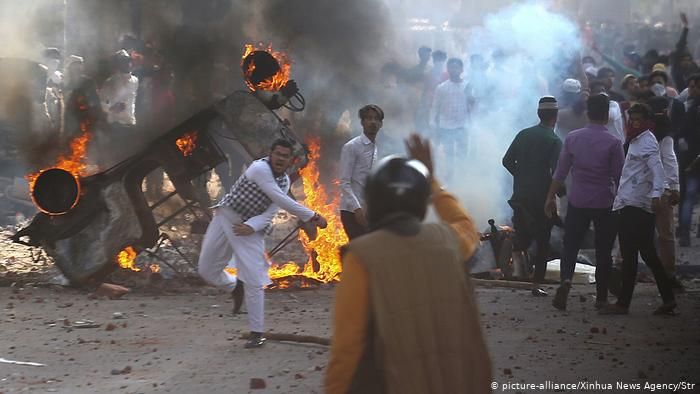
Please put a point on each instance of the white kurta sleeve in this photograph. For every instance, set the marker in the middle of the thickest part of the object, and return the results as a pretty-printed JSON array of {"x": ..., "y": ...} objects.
[
  {"x": 670, "y": 162},
  {"x": 259, "y": 222},
  {"x": 653, "y": 159},
  {"x": 261, "y": 173},
  {"x": 347, "y": 163}
]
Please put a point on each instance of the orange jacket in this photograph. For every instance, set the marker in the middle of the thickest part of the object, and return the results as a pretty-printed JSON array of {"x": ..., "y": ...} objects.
[{"x": 351, "y": 311}]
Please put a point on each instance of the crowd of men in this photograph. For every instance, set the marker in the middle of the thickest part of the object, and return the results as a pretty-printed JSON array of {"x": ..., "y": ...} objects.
[
  {"x": 627, "y": 159},
  {"x": 619, "y": 160},
  {"x": 132, "y": 93},
  {"x": 136, "y": 86}
]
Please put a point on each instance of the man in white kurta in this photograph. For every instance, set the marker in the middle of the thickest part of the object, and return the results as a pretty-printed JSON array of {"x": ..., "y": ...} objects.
[{"x": 237, "y": 231}]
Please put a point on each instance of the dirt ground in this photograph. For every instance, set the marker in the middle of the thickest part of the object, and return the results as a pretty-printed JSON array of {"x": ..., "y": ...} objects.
[
  {"x": 177, "y": 336},
  {"x": 187, "y": 341}
]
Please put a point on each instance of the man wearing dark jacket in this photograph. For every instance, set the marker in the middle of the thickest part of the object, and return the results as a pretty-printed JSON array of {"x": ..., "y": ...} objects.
[
  {"x": 531, "y": 159},
  {"x": 682, "y": 64},
  {"x": 689, "y": 149}
]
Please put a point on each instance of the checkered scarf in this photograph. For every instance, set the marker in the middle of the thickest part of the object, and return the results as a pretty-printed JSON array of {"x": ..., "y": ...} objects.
[{"x": 246, "y": 198}]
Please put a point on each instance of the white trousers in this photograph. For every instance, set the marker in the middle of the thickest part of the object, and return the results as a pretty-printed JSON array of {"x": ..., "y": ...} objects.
[{"x": 222, "y": 248}]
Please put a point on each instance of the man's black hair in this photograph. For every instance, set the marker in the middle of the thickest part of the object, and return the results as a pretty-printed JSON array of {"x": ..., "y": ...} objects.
[
  {"x": 659, "y": 108},
  {"x": 598, "y": 107},
  {"x": 603, "y": 70},
  {"x": 590, "y": 58},
  {"x": 659, "y": 73},
  {"x": 424, "y": 49},
  {"x": 439, "y": 56},
  {"x": 658, "y": 104},
  {"x": 362, "y": 113},
  {"x": 641, "y": 109},
  {"x": 547, "y": 115},
  {"x": 454, "y": 60},
  {"x": 596, "y": 82},
  {"x": 694, "y": 77},
  {"x": 283, "y": 143}
]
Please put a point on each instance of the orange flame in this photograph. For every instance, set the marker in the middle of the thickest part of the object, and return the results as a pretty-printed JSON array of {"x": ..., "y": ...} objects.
[
  {"x": 325, "y": 248},
  {"x": 126, "y": 259},
  {"x": 277, "y": 81},
  {"x": 155, "y": 268},
  {"x": 187, "y": 143},
  {"x": 75, "y": 162}
]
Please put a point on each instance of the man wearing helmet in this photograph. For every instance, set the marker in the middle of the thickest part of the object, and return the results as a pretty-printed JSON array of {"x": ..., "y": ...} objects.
[{"x": 405, "y": 318}]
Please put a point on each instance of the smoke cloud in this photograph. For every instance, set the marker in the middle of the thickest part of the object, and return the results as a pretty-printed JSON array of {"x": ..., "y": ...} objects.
[
  {"x": 339, "y": 53},
  {"x": 534, "y": 49}
]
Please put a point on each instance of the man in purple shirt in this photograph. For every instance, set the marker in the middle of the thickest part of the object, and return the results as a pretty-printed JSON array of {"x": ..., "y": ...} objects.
[{"x": 594, "y": 157}]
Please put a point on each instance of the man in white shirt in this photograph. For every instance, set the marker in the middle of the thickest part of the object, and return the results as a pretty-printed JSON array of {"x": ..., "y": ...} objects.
[
  {"x": 51, "y": 58},
  {"x": 638, "y": 196},
  {"x": 118, "y": 102},
  {"x": 450, "y": 112},
  {"x": 615, "y": 119},
  {"x": 356, "y": 160},
  {"x": 118, "y": 93},
  {"x": 237, "y": 233}
]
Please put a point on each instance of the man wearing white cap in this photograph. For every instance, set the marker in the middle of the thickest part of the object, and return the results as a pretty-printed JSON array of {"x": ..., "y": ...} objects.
[
  {"x": 572, "y": 108},
  {"x": 532, "y": 159}
]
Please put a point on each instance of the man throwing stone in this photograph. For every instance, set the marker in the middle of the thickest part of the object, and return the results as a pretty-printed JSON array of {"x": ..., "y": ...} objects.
[{"x": 237, "y": 232}]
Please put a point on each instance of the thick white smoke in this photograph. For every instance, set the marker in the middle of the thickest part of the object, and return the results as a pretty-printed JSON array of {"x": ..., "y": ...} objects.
[{"x": 529, "y": 49}]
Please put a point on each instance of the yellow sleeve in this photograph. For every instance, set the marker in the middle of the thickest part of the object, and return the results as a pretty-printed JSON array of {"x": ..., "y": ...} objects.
[
  {"x": 451, "y": 211},
  {"x": 350, "y": 324}
]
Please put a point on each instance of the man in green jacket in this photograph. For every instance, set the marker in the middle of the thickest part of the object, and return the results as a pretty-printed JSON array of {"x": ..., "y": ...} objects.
[{"x": 531, "y": 159}]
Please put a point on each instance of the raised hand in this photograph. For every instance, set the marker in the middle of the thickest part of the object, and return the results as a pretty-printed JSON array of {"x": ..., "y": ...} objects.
[{"x": 419, "y": 149}]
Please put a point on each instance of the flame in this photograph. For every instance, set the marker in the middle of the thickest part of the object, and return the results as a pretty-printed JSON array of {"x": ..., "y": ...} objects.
[
  {"x": 277, "y": 81},
  {"x": 75, "y": 161},
  {"x": 187, "y": 143},
  {"x": 126, "y": 259},
  {"x": 324, "y": 250},
  {"x": 155, "y": 268}
]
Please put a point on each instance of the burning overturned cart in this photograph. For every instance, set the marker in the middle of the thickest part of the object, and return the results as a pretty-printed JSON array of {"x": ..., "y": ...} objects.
[{"x": 87, "y": 220}]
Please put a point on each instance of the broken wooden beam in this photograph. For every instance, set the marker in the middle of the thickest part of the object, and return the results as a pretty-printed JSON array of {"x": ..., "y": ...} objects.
[
  {"x": 511, "y": 284},
  {"x": 278, "y": 336}
]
